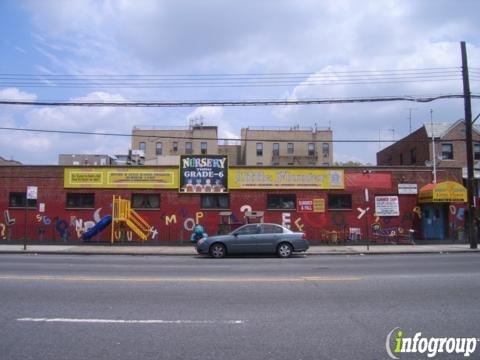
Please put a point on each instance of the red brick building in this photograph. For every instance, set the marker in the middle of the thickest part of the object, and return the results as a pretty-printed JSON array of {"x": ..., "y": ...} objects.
[
  {"x": 331, "y": 204},
  {"x": 417, "y": 148}
]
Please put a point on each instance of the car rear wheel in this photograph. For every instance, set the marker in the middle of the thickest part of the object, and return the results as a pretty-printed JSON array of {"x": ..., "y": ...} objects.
[
  {"x": 284, "y": 250},
  {"x": 218, "y": 251}
]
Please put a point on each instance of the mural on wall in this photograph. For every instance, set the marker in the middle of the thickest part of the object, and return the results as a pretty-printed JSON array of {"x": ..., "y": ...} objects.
[
  {"x": 457, "y": 221},
  {"x": 310, "y": 215},
  {"x": 6, "y": 226},
  {"x": 62, "y": 226}
]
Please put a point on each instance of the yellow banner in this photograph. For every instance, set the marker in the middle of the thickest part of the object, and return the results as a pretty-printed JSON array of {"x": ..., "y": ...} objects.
[
  {"x": 117, "y": 178},
  {"x": 258, "y": 178}
]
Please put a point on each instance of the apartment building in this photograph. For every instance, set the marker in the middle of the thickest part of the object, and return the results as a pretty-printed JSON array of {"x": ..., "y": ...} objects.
[
  {"x": 286, "y": 146},
  {"x": 164, "y": 146},
  {"x": 85, "y": 159},
  {"x": 417, "y": 148}
]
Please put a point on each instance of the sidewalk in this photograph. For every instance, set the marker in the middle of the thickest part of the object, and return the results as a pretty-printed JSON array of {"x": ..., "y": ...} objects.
[{"x": 190, "y": 251}]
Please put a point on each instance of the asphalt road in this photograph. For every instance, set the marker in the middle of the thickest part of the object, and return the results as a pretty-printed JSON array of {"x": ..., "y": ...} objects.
[{"x": 306, "y": 307}]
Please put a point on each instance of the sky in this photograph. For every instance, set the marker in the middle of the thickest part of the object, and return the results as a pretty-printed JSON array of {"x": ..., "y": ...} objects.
[{"x": 336, "y": 41}]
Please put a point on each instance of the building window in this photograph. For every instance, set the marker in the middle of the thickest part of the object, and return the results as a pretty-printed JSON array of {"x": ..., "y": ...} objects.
[
  {"x": 259, "y": 149},
  {"x": 188, "y": 148},
  {"x": 447, "y": 151},
  {"x": 413, "y": 156},
  {"x": 158, "y": 148},
  {"x": 146, "y": 201},
  {"x": 326, "y": 150},
  {"x": 311, "y": 149},
  {"x": 142, "y": 146},
  {"x": 259, "y": 163},
  {"x": 215, "y": 202},
  {"x": 175, "y": 146},
  {"x": 19, "y": 199},
  {"x": 276, "y": 149},
  {"x": 81, "y": 200},
  {"x": 275, "y": 202},
  {"x": 340, "y": 201},
  {"x": 476, "y": 151},
  {"x": 203, "y": 148},
  {"x": 290, "y": 148},
  {"x": 401, "y": 159}
]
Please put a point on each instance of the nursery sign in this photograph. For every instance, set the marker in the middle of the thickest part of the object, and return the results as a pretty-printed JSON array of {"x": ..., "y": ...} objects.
[
  {"x": 258, "y": 178},
  {"x": 203, "y": 174}
]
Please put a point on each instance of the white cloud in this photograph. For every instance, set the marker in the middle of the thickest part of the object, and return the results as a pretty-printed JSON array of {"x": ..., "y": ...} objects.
[
  {"x": 273, "y": 36},
  {"x": 14, "y": 94},
  {"x": 43, "y": 148}
]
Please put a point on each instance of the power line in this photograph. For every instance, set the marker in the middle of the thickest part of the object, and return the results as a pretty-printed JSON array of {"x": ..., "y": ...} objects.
[
  {"x": 232, "y": 80},
  {"x": 428, "y": 69},
  {"x": 221, "y": 85},
  {"x": 234, "y": 102},
  {"x": 157, "y": 137}
]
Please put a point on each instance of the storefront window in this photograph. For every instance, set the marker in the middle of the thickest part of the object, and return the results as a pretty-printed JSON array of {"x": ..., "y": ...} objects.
[
  {"x": 215, "y": 202},
  {"x": 18, "y": 200},
  {"x": 339, "y": 201},
  {"x": 146, "y": 201},
  {"x": 275, "y": 202},
  {"x": 80, "y": 200}
]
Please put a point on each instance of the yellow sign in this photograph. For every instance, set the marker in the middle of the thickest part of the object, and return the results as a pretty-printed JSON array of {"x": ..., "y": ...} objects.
[
  {"x": 448, "y": 191},
  {"x": 319, "y": 205},
  {"x": 257, "y": 178},
  {"x": 117, "y": 178}
]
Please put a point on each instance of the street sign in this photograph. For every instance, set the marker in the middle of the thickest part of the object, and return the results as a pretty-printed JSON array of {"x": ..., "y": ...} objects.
[
  {"x": 32, "y": 192},
  {"x": 407, "y": 189},
  {"x": 387, "y": 206}
]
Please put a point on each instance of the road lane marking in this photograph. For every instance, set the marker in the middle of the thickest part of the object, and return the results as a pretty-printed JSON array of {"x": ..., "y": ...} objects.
[
  {"x": 183, "y": 279},
  {"x": 123, "y": 321}
]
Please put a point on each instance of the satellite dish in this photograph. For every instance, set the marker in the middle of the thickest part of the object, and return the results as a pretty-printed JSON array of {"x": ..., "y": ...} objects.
[
  {"x": 428, "y": 163},
  {"x": 440, "y": 157}
]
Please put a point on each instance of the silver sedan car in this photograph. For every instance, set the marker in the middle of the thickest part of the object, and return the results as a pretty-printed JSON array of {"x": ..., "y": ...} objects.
[{"x": 261, "y": 238}]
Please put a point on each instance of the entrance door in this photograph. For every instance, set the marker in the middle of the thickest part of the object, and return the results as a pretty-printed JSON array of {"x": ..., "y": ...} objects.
[{"x": 433, "y": 221}]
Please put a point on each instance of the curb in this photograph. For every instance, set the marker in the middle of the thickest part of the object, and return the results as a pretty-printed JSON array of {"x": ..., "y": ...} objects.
[{"x": 360, "y": 253}]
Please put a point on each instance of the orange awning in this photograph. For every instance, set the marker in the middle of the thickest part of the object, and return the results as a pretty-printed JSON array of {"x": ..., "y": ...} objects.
[{"x": 447, "y": 191}]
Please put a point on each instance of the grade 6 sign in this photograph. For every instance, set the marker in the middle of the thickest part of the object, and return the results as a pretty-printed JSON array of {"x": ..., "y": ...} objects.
[{"x": 386, "y": 206}]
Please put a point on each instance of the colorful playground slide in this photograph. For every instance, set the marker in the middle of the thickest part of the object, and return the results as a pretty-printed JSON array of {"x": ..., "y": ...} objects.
[{"x": 101, "y": 225}]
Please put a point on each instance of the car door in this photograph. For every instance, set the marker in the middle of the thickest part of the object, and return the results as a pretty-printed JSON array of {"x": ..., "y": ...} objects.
[
  {"x": 268, "y": 238},
  {"x": 245, "y": 239}
]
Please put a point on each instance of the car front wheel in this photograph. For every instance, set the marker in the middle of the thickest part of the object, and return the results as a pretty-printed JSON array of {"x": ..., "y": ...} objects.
[
  {"x": 284, "y": 250},
  {"x": 218, "y": 251}
]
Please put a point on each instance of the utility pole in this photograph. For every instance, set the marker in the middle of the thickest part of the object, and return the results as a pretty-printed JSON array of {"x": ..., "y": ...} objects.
[
  {"x": 468, "y": 129},
  {"x": 434, "y": 151}
]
